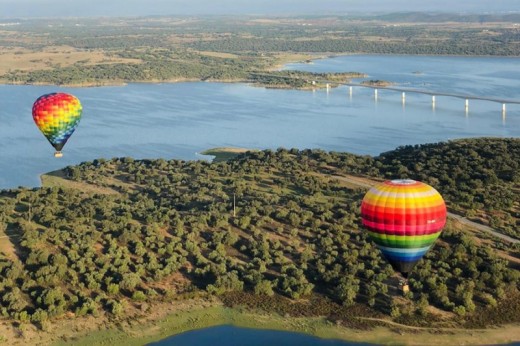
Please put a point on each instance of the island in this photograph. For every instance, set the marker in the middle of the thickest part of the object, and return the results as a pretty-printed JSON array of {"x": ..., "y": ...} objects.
[
  {"x": 377, "y": 83},
  {"x": 130, "y": 251}
]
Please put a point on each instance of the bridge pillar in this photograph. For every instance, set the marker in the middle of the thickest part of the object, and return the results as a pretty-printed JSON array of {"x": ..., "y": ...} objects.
[
  {"x": 433, "y": 101},
  {"x": 503, "y": 107},
  {"x": 375, "y": 94},
  {"x": 467, "y": 104},
  {"x": 403, "y": 97}
]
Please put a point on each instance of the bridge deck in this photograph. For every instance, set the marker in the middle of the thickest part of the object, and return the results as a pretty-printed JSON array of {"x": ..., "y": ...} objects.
[
  {"x": 433, "y": 93},
  {"x": 402, "y": 89}
]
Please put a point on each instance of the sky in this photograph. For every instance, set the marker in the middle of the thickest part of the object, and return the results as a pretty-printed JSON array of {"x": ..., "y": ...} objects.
[{"x": 82, "y": 8}]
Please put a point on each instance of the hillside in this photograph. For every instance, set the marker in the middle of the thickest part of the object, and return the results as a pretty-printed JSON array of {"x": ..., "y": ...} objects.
[{"x": 108, "y": 237}]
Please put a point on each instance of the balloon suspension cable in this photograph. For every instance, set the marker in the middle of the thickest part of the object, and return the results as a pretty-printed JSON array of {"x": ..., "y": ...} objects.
[{"x": 58, "y": 154}]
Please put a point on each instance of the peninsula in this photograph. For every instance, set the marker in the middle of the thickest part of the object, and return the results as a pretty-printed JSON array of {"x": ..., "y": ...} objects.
[{"x": 126, "y": 249}]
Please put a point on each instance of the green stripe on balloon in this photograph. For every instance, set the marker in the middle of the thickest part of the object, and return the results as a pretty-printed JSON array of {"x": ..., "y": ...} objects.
[{"x": 403, "y": 241}]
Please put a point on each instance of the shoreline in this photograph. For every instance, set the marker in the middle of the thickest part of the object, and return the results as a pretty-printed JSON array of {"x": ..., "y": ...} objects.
[
  {"x": 224, "y": 153},
  {"x": 168, "y": 319},
  {"x": 309, "y": 57},
  {"x": 122, "y": 83},
  {"x": 170, "y": 81},
  {"x": 276, "y": 67},
  {"x": 174, "y": 321}
]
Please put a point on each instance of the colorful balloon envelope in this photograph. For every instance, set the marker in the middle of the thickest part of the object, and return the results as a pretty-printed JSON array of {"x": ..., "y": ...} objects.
[
  {"x": 403, "y": 218},
  {"x": 57, "y": 115}
]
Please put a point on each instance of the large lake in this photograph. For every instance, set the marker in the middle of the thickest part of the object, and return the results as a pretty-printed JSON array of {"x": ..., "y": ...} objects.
[{"x": 180, "y": 120}]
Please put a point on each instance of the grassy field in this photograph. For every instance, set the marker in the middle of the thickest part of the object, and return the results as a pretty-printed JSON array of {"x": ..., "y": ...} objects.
[
  {"x": 49, "y": 57},
  {"x": 57, "y": 179},
  {"x": 224, "y": 154}
]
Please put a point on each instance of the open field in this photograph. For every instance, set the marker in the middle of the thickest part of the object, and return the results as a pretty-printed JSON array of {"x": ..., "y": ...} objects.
[
  {"x": 219, "y": 55},
  {"x": 6, "y": 246},
  {"x": 58, "y": 179},
  {"x": 48, "y": 58}
]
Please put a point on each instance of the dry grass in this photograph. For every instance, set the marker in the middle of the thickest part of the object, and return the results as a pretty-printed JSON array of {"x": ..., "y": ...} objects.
[
  {"x": 284, "y": 58},
  {"x": 230, "y": 150},
  {"x": 57, "y": 178},
  {"x": 218, "y": 55},
  {"x": 224, "y": 154},
  {"x": 46, "y": 59},
  {"x": 7, "y": 247},
  {"x": 8, "y": 239},
  {"x": 170, "y": 318},
  {"x": 101, "y": 329}
]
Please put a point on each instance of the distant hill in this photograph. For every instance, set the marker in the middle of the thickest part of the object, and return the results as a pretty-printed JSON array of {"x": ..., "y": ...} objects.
[{"x": 441, "y": 17}]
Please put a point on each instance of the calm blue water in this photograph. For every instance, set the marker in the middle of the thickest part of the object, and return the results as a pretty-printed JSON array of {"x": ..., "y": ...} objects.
[
  {"x": 180, "y": 120},
  {"x": 480, "y": 76},
  {"x": 235, "y": 336}
]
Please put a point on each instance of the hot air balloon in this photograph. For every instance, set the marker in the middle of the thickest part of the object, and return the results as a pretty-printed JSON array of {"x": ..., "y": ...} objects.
[
  {"x": 403, "y": 218},
  {"x": 57, "y": 115}
]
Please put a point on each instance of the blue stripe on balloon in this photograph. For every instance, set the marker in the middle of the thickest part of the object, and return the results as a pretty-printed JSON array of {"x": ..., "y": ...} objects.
[
  {"x": 406, "y": 258},
  {"x": 405, "y": 255}
]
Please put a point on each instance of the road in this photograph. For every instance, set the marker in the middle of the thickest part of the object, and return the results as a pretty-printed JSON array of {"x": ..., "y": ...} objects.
[
  {"x": 402, "y": 89},
  {"x": 367, "y": 183},
  {"x": 436, "y": 93}
]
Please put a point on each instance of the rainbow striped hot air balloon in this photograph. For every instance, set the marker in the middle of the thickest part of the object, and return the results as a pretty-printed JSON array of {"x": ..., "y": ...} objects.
[
  {"x": 403, "y": 218},
  {"x": 57, "y": 115}
]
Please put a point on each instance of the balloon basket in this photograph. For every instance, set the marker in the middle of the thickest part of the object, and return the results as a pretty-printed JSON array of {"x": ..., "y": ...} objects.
[
  {"x": 58, "y": 154},
  {"x": 403, "y": 285}
]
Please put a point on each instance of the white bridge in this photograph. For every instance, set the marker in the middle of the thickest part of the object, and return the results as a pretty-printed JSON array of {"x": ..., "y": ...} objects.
[
  {"x": 404, "y": 90},
  {"x": 433, "y": 94}
]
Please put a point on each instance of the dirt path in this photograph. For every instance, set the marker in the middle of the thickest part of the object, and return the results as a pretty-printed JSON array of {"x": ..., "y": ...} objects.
[
  {"x": 444, "y": 329},
  {"x": 367, "y": 183},
  {"x": 481, "y": 227}
]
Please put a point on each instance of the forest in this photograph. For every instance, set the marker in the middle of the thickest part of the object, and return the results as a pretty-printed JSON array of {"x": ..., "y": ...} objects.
[
  {"x": 231, "y": 48},
  {"x": 480, "y": 178},
  {"x": 111, "y": 234}
]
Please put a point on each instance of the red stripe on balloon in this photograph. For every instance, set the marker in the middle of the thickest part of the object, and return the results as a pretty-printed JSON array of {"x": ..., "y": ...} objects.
[{"x": 408, "y": 230}]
